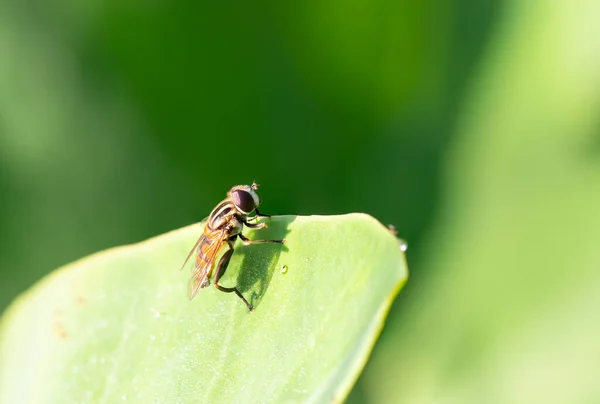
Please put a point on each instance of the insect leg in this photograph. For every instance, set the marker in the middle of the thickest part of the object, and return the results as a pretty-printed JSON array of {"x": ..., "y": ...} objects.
[
  {"x": 247, "y": 241},
  {"x": 260, "y": 214},
  {"x": 255, "y": 225},
  {"x": 221, "y": 270}
]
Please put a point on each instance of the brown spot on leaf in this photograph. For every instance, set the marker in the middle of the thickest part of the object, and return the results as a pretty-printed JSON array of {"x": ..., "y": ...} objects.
[{"x": 59, "y": 330}]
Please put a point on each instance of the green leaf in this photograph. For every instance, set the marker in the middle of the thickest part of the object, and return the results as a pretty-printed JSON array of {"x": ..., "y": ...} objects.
[{"x": 118, "y": 326}]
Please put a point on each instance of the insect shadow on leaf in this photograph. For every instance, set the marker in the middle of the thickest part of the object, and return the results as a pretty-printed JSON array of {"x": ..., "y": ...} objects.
[{"x": 259, "y": 261}]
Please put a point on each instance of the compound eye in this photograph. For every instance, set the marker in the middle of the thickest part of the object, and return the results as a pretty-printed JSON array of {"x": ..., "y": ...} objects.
[{"x": 243, "y": 201}]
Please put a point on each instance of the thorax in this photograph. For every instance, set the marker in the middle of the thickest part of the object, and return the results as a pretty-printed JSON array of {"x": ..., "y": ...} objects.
[{"x": 225, "y": 217}]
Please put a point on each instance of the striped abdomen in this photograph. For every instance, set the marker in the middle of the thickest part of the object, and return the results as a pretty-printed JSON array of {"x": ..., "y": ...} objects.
[
  {"x": 206, "y": 254},
  {"x": 223, "y": 223}
]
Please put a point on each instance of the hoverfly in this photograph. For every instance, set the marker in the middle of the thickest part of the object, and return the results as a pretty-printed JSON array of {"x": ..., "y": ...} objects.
[{"x": 223, "y": 226}]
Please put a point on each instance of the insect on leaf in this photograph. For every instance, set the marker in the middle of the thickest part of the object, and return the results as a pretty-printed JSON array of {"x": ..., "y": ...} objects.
[{"x": 119, "y": 325}]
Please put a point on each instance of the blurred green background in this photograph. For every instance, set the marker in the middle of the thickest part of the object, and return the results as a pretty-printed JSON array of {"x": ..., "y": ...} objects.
[{"x": 473, "y": 126}]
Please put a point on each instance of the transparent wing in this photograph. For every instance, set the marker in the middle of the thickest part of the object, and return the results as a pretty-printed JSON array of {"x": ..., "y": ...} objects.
[
  {"x": 193, "y": 250},
  {"x": 195, "y": 246},
  {"x": 194, "y": 285},
  {"x": 207, "y": 250}
]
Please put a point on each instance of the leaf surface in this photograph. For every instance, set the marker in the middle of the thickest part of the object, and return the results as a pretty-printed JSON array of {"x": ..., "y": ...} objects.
[{"x": 118, "y": 326}]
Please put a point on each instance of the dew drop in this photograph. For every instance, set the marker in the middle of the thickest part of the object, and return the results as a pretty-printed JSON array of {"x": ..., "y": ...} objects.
[
  {"x": 284, "y": 269},
  {"x": 403, "y": 246}
]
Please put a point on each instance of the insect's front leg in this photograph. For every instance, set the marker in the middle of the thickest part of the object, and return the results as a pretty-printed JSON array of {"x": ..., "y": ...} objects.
[
  {"x": 247, "y": 241},
  {"x": 254, "y": 225},
  {"x": 258, "y": 214}
]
